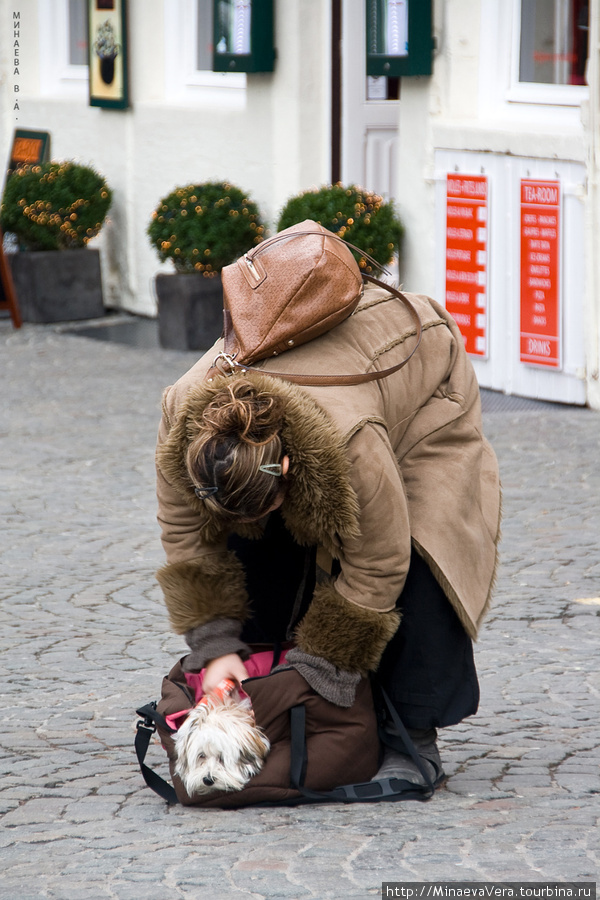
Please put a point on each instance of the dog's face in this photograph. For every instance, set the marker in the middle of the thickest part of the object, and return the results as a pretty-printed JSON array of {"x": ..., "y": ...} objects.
[{"x": 219, "y": 747}]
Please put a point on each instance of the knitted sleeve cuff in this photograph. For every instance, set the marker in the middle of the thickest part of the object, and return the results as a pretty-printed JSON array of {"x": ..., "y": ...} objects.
[
  {"x": 216, "y": 638},
  {"x": 332, "y": 684}
]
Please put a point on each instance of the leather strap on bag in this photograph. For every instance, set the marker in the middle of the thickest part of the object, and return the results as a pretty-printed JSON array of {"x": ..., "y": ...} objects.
[{"x": 226, "y": 363}]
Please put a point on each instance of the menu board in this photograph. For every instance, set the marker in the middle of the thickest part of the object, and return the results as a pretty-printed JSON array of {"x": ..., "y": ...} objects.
[
  {"x": 29, "y": 148},
  {"x": 466, "y": 257},
  {"x": 540, "y": 288}
]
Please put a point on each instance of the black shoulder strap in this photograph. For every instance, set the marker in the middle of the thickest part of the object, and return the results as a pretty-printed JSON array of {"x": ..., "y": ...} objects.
[
  {"x": 145, "y": 728},
  {"x": 406, "y": 745}
]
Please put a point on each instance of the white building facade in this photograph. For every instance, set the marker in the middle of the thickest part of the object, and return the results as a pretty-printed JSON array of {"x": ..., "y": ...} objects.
[{"x": 492, "y": 160}]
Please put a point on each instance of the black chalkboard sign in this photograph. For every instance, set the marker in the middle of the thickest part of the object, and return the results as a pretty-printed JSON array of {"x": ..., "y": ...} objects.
[{"x": 29, "y": 148}]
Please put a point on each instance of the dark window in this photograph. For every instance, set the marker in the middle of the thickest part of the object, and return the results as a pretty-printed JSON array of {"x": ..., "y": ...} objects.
[{"x": 554, "y": 41}]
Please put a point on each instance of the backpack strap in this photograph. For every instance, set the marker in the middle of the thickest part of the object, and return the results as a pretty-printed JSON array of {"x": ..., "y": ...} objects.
[{"x": 145, "y": 728}]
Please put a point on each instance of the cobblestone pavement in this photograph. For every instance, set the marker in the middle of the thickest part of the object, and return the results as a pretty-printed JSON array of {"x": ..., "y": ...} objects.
[{"x": 85, "y": 639}]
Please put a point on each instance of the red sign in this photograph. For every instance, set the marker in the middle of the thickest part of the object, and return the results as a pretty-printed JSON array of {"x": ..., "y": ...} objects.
[
  {"x": 540, "y": 245},
  {"x": 466, "y": 257}
]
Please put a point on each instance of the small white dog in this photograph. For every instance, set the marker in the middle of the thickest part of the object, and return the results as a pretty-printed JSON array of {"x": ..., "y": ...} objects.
[{"x": 219, "y": 746}]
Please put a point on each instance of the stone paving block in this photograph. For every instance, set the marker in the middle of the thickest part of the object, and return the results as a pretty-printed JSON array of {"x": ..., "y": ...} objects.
[
  {"x": 34, "y": 812},
  {"x": 134, "y": 891}
]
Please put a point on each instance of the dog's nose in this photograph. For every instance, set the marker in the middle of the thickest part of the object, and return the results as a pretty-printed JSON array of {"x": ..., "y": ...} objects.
[{"x": 208, "y": 781}]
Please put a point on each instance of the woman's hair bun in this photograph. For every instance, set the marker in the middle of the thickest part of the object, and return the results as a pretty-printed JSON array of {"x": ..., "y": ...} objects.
[
  {"x": 242, "y": 410},
  {"x": 238, "y": 432}
]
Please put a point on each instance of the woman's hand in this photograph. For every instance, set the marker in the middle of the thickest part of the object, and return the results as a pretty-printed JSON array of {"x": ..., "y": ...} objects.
[{"x": 228, "y": 666}]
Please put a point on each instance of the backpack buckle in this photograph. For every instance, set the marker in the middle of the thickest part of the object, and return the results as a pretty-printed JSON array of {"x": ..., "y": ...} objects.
[{"x": 146, "y": 724}]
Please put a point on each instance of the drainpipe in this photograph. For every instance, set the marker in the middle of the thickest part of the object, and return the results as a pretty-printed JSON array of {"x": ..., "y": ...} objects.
[
  {"x": 592, "y": 317},
  {"x": 336, "y": 90}
]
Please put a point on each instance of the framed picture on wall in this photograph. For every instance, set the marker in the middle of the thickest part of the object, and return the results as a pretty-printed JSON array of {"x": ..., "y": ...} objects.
[{"x": 107, "y": 54}]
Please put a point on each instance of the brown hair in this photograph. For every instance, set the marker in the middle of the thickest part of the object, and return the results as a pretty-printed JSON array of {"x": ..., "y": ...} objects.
[{"x": 239, "y": 431}]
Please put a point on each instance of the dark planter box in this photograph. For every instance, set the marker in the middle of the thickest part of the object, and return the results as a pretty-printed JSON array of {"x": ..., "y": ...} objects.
[
  {"x": 58, "y": 285},
  {"x": 190, "y": 311}
]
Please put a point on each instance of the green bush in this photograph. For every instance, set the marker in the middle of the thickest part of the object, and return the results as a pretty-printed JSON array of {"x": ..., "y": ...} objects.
[
  {"x": 55, "y": 206},
  {"x": 203, "y": 227},
  {"x": 360, "y": 217}
]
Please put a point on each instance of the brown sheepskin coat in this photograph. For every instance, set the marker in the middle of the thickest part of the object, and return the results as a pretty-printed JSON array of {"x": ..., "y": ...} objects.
[{"x": 374, "y": 469}]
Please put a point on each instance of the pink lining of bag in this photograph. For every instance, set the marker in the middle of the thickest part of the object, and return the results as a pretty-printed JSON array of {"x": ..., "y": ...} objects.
[{"x": 257, "y": 665}]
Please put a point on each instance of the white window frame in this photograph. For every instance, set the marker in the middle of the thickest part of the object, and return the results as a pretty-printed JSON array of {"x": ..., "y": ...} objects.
[
  {"x": 501, "y": 95},
  {"x": 57, "y": 76},
  {"x": 183, "y": 81}
]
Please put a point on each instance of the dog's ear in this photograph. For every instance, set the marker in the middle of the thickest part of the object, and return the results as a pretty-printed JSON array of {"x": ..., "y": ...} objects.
[
  {"x": 195, "y": 719},
  {"x": 200, "y": 714},
  {"x": 258, "y": 744}
]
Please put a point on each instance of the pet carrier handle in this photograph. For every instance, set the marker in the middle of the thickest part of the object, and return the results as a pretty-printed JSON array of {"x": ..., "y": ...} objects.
[{"x": 145, "y": 728}]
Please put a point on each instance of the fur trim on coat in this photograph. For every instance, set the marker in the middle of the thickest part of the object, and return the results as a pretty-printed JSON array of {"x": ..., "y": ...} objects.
[
  {"x": 350, "y": 637},
  {"x": 374, "y": 469},
  {"x": 202, "y": 590},
  {"x": 320, "y": 501}
]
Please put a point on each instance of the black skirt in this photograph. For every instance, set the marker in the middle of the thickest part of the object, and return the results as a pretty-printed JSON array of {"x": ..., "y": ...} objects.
[{"x": 427, "y": 668}]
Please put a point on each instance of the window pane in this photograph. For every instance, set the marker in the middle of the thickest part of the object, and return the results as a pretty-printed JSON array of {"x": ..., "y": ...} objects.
[
  {"x": 78, "y": 41},
  {"x": 205, "y": 36},
  {"x": 553, "y": 41},
  {"x": 388, "y": 27},
  {"x": 234, "y": 26}
]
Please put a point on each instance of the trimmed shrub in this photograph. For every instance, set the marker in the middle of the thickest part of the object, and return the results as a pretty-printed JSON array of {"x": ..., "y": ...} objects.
[
  {"x": 55, "y": 206},
  {"x": 203, "y": 227},
  {"x": 360, "y": 217}
]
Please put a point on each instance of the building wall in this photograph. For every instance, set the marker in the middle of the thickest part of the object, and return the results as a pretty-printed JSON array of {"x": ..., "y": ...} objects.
[
  {"x": 591, "y": 116},
  {"x": 462, "y": 107},
  {"x": 470, "y": 113},
  {"x": 272, "y": 141}
]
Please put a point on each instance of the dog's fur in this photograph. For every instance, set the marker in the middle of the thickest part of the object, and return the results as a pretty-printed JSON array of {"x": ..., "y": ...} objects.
[{"x": 219, "y": 746}]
